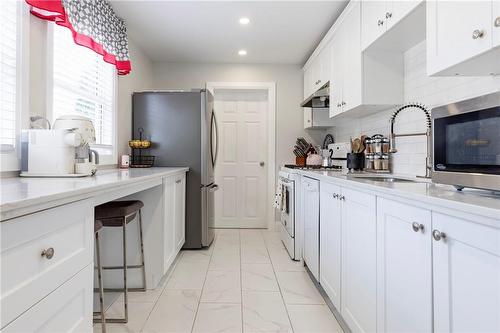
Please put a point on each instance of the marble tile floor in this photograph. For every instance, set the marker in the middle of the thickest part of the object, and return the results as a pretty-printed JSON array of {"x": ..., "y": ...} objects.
[{"x": 245, "y": 282}]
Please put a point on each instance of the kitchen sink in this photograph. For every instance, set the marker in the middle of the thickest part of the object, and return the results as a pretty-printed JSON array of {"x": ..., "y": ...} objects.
[{"x": 387, "y": 178}]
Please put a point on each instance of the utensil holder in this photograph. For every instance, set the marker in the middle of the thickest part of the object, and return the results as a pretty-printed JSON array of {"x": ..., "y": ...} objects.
[
  {"x": 300, "y": 161},
  {"x": 355, "y": 161}
]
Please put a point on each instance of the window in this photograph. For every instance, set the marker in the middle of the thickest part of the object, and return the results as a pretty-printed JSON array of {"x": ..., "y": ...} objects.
[
  {"x": 8, "y": 78},
  {"x": 83, "y": 84}
]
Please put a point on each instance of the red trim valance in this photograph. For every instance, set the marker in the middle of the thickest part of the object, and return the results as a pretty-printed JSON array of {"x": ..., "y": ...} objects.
[{"x": 53, "y": 10}]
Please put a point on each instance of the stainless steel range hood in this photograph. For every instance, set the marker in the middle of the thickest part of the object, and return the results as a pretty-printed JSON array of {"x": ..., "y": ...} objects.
[{"x": 320, "y": 99}]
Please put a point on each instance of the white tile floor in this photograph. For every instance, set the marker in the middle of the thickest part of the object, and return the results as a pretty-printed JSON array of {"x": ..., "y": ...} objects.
[{"x": 245, "y": 282}]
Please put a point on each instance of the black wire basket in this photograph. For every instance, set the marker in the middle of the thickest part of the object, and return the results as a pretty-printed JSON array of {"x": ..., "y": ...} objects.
[{"x": 141, "y": 161}]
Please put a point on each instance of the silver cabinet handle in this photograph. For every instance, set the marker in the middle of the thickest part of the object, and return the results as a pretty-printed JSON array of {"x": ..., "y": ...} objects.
[
  {"x": 417, "y": 227},
  {"x": 497, "y": 22},
  {"x": 438, "y": 235},
  {"x": 339, "y": 105},
  {"x": 380, "y": 22},
  {"x": 178, "y": 181},
  {"x": 477, "y": 34},
  {"x": 343, "y": 103},
  {"x": 335, "y": 196},
  {"x": 388, "y": 15},
  {"x": 341, "y": 197},
  {"x": 48, "y": 253}
]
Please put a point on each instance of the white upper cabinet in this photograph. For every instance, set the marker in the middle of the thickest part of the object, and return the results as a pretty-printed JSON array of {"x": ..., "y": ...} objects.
[
  {"x": 466, "y": 269},
  {"x": 308, "y": 86},
  {"x": 330, "y": 241},
  {"x": 360, "y": 82},
  {"x": 359, "y": 261},
  {"x": 317, "y": 72},
  {"x": 404, "y": 261},
  {"x": 463, "y": 37},
  {"x": 380, "y": 16}
]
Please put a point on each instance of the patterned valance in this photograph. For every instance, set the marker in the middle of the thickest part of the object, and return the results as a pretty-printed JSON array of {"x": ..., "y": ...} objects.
[{"x": 93, "y": 23}]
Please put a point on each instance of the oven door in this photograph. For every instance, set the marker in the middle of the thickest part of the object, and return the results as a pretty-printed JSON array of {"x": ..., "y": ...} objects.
[
  {"x": 468, "y": 142},
  {"x": 288, "y": 206}
]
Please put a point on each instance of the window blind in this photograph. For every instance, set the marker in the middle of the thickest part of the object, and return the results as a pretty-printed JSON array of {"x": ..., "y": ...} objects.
[
  {"x": 8, "y": 73},
  {"x": 83, "y": 84}
]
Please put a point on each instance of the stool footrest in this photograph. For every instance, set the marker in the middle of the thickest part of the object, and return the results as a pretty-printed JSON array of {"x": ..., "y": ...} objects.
[
  {"x": 112, "y": 320},
  {"x": 121, "y": 267},
  {"x": 128, "y": 289}
]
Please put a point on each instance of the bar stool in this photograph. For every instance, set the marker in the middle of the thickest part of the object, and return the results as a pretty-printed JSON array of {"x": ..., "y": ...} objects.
[
  {"x": 102, "y": 319},
  {"x": 119, "y": 214}
]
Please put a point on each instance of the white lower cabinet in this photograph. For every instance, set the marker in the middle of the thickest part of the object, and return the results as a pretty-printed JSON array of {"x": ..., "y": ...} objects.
[
  {"x": 466, "y": 269},
  {"x": 330, "y": 241},
  {"x": 66, "y": 309},
  {"x": 310, "y": 206},
  {"x": 404, "y": 261},
  {"x": 174, "y": 230},
  {"x": 359, "y": 269}
]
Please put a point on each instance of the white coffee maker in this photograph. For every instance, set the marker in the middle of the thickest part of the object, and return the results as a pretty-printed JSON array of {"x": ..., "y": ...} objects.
[{"x": 63, "y": 151}]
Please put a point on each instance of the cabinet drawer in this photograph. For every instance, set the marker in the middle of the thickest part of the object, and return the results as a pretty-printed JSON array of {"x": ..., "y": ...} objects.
[
  {"x": 67, "y": 309},
  {"x": 26, "y": 275}
]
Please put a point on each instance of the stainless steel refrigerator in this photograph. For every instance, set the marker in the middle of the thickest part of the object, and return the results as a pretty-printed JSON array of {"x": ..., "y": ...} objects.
[{"x": 183, "y": 130}]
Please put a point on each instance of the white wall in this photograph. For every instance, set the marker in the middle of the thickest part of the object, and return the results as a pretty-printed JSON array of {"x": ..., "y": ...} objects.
[
  {"x": 418, "y": 87},
  {"x": 289, "y": 91}
]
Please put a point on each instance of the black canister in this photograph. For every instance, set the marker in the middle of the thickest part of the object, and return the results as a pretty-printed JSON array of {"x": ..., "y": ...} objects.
[{"x": 355, "y": 161}]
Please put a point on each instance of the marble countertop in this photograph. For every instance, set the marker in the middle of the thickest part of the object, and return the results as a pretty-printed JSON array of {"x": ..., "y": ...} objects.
[
  {"x": 18, "y": 192},
  {"x": 471, "y": 201}
]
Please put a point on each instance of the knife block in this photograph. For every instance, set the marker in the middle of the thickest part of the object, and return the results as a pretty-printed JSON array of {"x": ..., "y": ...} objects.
[{"x": 300, "y": 161}]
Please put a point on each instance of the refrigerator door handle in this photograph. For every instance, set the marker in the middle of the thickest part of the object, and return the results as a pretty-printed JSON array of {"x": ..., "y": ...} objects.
[{"x": 213, "y": 126}]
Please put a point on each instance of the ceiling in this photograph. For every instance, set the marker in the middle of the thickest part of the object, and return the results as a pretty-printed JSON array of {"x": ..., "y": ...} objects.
[{"x": 284, "y": 32}]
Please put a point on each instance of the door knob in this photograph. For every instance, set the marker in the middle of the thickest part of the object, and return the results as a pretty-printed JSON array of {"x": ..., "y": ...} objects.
[
  {"x": 262, "y": 163},
  {"x": 497, "y": 22},
  {"x": 417, "y": 226},
  {"x": 438, "y": 235},
  {"x": 48, "y": 253},
  {"x": 477, "y": 34}
]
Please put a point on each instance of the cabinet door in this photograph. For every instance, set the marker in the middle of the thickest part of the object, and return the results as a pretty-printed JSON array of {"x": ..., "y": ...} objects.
[
  {"x": 373, "y": 22},
  {"x": 330, "y": 241},
  {"x": 457, "y": 31},
  {"x": 325, "y": 60},
  {"x": 308, "y": 82},
  {"x": 359, "y": 234},
  {"x": 168, "y": 222},
  {"x": 180, "y": 211},
  {"x": 66, "y": 309},
  {"x": 397, "y": 10},
  {"x": 310, "y": 191},
  {"x": 308, "y": 117},
  {"x": 316, "y": 73},
  {"x": 351, "y": 31},
  {"x": 496, "y": 23},
  {"x": 404, "y": 261},
  {"x": 336, "y": 75},
  {"x": 466, "y": 269}
]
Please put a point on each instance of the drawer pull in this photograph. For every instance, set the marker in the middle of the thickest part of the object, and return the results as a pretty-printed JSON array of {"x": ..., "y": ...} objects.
[
  {"x": 417, "y": 227},
  {"x": 48, "y": 253},
  {"x": 380, "y": 23},
  {"x": 497, "y": 22},
  {"x": 438, "y": 235},
  {"x": 477, "y": 34}
]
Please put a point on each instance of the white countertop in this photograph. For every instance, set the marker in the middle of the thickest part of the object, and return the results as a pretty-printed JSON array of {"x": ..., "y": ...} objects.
[
  {"x": 18, "y": 192},
  {"x": 471, "y": 201}
]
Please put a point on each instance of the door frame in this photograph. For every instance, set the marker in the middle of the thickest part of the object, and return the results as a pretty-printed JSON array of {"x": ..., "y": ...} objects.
[{"x": 270, "y": 87}]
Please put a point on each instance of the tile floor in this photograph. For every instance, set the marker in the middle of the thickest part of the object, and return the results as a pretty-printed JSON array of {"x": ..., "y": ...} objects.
[{"x": 245, "y": 282}]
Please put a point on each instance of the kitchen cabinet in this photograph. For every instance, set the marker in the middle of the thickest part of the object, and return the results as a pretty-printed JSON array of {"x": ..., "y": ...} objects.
[
  {"x": 318, "y": 118},
  {"x": 66, "y": 309},
  {"x": 41, "y": 251},
  {"x": 380, "y": 16},
  {"x": 174, "y": 196},
  {"x": 317, "y": 72},
  {"x": 310, "y": 206},
  {"x": 308, "y": 79},
  {"x": 466, "y": 270},
  {"x": 359, "y": 269},
  {"x": 404, "y": 261},
  {"x": 463, "y": 37},
  {"x": 361, "y": 83},
  {"x": 179, "y": 211},
  {"x": 330, "y": 241}
]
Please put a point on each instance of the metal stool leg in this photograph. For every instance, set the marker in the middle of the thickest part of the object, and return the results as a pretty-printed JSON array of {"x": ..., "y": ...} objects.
[
  {"x": 142, "y": 252},
  {"x": 101, "y": 289},
  {"x": 125, "y": 289}
]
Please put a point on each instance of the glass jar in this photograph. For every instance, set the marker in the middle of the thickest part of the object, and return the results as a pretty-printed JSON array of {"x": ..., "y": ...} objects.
[
  {"x": 377, "y": 145},
  {"x": 377, "y": 162},
  {"x": 385, "y": 162},
  {"x": 368, "y": 145},
  {"x": 386, "y": 145},
  {"x": 369, "y": 161}
]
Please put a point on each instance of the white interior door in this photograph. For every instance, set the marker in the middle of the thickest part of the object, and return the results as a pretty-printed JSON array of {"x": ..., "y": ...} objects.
[{"x": 241, "y": 167}]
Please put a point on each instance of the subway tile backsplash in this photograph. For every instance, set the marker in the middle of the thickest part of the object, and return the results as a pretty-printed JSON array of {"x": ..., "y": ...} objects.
[{"x": 418, "y": 87}]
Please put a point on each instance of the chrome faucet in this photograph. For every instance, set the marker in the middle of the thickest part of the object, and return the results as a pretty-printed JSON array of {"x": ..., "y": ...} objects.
[{"x": 427, "y": 133}]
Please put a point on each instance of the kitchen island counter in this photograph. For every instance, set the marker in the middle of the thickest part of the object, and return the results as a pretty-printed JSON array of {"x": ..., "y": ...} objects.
[{"x": 21, "y": 196}]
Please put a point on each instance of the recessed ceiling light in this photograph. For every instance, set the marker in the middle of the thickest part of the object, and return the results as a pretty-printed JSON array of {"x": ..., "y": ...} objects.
[
  {"x": 244, "y": 20},
  {"x": 242, "y": 52}
]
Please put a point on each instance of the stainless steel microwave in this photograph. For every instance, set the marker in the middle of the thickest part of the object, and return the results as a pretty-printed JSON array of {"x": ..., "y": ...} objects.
[{"x": 466, "y": 143}]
